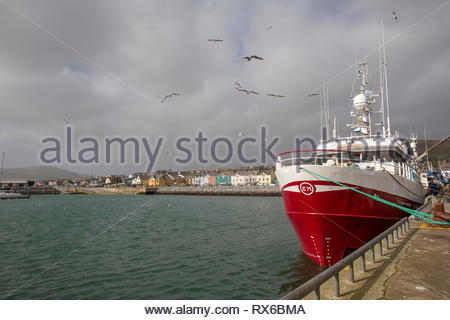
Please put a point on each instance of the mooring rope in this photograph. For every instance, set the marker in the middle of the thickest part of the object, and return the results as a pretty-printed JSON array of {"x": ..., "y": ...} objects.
[{"x": 416, "y": 213}]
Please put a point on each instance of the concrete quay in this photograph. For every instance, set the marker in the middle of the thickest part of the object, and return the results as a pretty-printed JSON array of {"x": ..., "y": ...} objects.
[
  {"x": 222, "y": 191},
  {"x": 415, "y": 267},
  {"x": 190, "y": 190}
]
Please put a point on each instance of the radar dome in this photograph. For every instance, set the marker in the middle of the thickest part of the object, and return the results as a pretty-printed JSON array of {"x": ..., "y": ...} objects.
[{"x": 360, "y": 99}]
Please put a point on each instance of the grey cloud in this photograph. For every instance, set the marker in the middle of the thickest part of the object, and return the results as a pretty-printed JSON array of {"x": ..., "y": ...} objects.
[{"x": 158, "y": 47}]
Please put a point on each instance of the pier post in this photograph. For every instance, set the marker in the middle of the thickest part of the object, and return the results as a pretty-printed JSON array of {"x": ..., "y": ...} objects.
[
  {"x": 381, "y": 247},
  {"x": 351, "y": 272},
  {"x": 363, "y": 262},
  {"x": 387, "y": 242},
  {"x": 392, "y": 238},
  {"x": 317, "y": 293},
  {"x": 373, "y": 254},
  {"x": 336, "y": 285}
]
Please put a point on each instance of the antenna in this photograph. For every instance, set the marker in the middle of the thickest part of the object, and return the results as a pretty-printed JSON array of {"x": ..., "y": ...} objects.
[
  {"x": 321, "y": 117},
  {"x": 382, "y": 89},
  {"x": 327, "y": 111},
  {"x": 354, "y": 78},
  {"x": 335, "y": 127},
  {"x": 426, "y": 146},
  {"x": 385, "y": 81}
]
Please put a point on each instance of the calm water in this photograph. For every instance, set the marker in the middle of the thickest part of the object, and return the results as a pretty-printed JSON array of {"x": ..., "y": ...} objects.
[{"x": 148, "y": 247}]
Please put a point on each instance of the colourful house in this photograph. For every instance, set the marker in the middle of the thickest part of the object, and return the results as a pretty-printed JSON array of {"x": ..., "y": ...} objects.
[
  {"x": 222, "y": 180},
  {"x": 128, "y": 180},
  {"x": 212, "y": 179},
  {"x": 153, "y": 181},
  {"x": 264, "y": 178}
]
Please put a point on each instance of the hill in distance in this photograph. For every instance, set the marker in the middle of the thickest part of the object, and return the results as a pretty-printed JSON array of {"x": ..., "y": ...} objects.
[
  {"x": 40, "y": 173},
  {"x": 440, "y": 153}
]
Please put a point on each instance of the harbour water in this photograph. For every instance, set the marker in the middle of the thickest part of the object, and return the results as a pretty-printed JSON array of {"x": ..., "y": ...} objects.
[{"x": 148, "y": 247}]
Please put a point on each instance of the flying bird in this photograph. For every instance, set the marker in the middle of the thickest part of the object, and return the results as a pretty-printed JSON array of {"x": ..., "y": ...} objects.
[
  {"x": 170, "y": 95},
  {"x": 252, "y": 57},
  {"x": 66, "y": 121},
  {"x": 313, "y": 94},
  {"x": 241, "y": 134},
  {"x": 269, "y": 27},
  {"x": 394, "y": 15},
  {"x": 237, "y": 85},
  {"x": 215, "y": 40},
  {"x": 171, "y": 154},
  {"x": 275, "y": 95},
  {"x": 248, "y": 91}
]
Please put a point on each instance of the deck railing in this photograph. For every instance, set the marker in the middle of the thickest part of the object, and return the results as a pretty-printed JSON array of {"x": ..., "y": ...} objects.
[{"x": 344, "y": 158}]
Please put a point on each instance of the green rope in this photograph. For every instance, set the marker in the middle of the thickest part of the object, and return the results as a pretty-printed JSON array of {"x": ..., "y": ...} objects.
[{"x": 416, "y": 213}]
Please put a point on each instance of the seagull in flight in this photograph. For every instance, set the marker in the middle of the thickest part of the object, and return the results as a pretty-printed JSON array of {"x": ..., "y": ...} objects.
[
  {"x": 394, "y": 15},
  {"x": 170, "y": 95},
  {"x": 313, "y": 94},
  {"x": 215, "y": 40},
  {"x": 171, "y": 154},
  {"x": 269, "y": 27},
  {"x": 248, "y": 91},
  {"x": 240, "y": 134},
  {"x": 239, "y": 88},
  {"x": 275, "y": 95},
  {"x": 252, "y": 57},
  {"x": 66, "y": 121}
]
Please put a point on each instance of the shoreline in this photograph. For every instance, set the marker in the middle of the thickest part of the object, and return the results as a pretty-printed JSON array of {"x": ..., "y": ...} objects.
[{"x": 261, "y": 191}]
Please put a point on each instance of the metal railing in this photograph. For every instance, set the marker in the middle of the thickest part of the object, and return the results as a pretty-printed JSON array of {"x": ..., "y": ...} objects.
[
  {"x": 314, "y": 284},
  {"x": 342, "y": 158}
]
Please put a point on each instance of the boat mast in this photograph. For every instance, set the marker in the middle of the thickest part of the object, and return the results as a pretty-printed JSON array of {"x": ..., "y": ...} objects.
[
  {"x": 335, "y": 127},
  {"x": 426, "y": 146},
  {"x": 328, "y": 113},
  {"x": 362, "y": 105},
  {"x": 321, "y": 115},
  {"x": 370, "y": 96},
  {"x": 383, "y": 121},
  {"x": 385, "y": 81},
  {"x": 1, "y": 168}
]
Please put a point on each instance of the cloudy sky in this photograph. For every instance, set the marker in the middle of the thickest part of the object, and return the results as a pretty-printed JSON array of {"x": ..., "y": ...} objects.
[{"x": 102, "y": 65}]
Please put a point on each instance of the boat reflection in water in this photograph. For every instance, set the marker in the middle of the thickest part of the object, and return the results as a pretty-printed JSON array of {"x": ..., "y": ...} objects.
[{"x": 299, "y": 271}]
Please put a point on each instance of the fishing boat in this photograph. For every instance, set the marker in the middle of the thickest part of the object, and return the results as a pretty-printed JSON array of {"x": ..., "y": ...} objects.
[{"x": 344, "y": 193}]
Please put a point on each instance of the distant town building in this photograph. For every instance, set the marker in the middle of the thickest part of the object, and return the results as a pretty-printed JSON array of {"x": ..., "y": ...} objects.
[
  {"x": 240, "y": 178},
  {"x": 136, "y": 181},
  {"x": 223, "y": 180},
  {"x": 212, "y": 179},
  {"x": 264, "y": 178},
  {"x": 153, "y": 181}
]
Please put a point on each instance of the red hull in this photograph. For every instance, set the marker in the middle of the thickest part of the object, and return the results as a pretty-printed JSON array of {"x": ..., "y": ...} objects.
[{"x": 332, "y": 224}]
